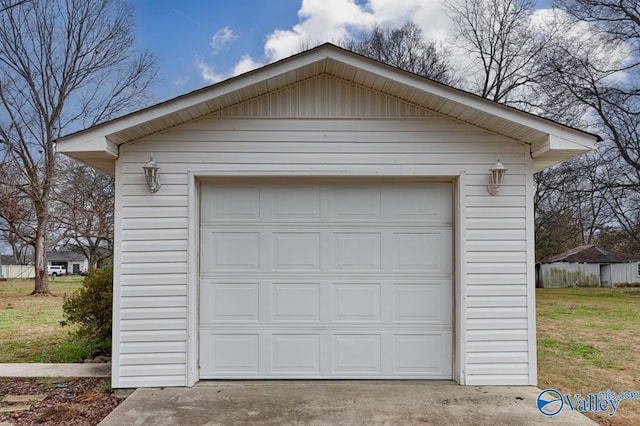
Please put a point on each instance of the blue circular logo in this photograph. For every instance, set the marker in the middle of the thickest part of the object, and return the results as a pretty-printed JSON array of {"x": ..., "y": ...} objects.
[{"x": 550, "y": 402}]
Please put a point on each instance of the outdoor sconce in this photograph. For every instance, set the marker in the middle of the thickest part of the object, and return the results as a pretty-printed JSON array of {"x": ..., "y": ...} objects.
[
  {"x": 151, "y": 174},
  {"x": 497, "y": 177}
]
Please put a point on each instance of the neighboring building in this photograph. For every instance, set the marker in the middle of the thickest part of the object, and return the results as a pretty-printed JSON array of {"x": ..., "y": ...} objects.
[
  {"x": 325, "y": 216},
  {"x": 589, "y": 266},
  {"x": 12, "y": 270},
  {"x": 75, "y": 263}
]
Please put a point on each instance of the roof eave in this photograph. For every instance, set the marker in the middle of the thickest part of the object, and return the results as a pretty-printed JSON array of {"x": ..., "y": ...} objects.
[{"x": 560, "y": 147}]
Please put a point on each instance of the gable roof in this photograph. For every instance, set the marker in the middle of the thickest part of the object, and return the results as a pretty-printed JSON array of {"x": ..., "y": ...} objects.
[
  {"x": 592, "y": 254},
  {"x": 64, "y": 256},
  {"x": 549, "y": 142}
]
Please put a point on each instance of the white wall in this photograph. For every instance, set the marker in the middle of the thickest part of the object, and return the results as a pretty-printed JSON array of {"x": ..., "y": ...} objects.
[
  {"x": 625, "y": 273},
  {"x": 156, "y": 274},
  {"x": 18, "y": 271}
]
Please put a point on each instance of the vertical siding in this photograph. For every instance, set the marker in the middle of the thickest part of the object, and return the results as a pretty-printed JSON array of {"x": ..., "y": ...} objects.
[
  {"x": 625, "y": 273},
  {"x": 154, "y": 262},
  {"x": 565, "y": 274}
]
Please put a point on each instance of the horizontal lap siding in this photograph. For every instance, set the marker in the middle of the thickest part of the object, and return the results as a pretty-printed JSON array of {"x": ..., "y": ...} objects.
[
  {"x": 496, "y": 284},
  {"x": 153, "y": 284},
  {"x": 154, "y": 260}
]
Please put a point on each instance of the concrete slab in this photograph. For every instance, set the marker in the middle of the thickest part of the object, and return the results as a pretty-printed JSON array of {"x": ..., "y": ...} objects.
[
  {"x": 335, "y": 402},
  {"x": 56, "y": 370}
]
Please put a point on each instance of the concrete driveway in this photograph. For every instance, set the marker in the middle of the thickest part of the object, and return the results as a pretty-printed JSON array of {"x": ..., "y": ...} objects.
[{"x": 336, "y": 403}]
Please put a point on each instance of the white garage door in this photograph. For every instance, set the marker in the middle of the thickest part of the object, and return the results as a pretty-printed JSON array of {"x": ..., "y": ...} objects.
[{"x": 334, "y": 279}]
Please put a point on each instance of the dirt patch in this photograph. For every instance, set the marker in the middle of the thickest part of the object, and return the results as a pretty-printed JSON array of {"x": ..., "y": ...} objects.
[{"x": 69, "y": 402}]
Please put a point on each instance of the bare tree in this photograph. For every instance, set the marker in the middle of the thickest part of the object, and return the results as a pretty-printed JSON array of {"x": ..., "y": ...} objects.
[
  {"x": 83, "y": 201},
  {"x": 500, "y": 38},
  {"x": 404, "y": 47},
  {"x": 16, "y": 217},
  {"x": 619, "y": 19},
  {"x": 572, "y": 204},
  {"x": 580, "y": 68},
  {"x": 64, "y": 65},
  {"x": 602, "y": 74},
  {"x": 611, "y": 90}
]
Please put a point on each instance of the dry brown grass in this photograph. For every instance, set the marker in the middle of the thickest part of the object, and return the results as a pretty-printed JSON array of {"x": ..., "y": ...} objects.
[
  {"x": 588, "y": 341},
  {"x": 30, "y": 325}
]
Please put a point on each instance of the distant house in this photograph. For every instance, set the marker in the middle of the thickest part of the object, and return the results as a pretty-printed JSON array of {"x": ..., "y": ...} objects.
[
  {"x": 75, "y": 263},
  {"x": 589, "y": 266}
]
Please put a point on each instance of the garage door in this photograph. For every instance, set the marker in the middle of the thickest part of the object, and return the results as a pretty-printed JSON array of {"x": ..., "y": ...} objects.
[{"x": 333, "y": 279}]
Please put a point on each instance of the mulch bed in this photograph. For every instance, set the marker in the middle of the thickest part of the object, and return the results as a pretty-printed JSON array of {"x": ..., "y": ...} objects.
[{"x": 68, "y": 402}]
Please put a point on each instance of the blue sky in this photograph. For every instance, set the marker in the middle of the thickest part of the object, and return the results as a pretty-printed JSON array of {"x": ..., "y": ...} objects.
[
  {"x": 180, "y": 34},
  {"x": 201, "y": 42}
]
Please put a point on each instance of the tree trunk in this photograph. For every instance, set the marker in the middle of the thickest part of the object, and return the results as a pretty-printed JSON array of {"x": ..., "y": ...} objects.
[
  {"x": 40, "y": 264},
  {"x": 92, "y": 260}
]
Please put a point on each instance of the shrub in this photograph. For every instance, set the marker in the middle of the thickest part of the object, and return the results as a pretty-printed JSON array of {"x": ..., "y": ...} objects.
[{"x": 90, "y": 307}]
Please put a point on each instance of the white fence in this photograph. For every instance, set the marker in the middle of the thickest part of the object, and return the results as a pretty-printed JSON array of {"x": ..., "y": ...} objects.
[{"x": 18, "y": 271}]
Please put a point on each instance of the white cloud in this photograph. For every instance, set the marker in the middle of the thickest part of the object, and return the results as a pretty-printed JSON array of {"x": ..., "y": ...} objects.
[
  {"x": 427, "y": 14},
  {"x": 222, "y": 39},
  {"x": 320, "y": 21},
  {"x": 331, "y": 20},
  {"x": 323, "y": 21},
  {"x": 211, "y": 76},
  {"x": 246, "y": 63},
  {"x": 207, "y": 72}
]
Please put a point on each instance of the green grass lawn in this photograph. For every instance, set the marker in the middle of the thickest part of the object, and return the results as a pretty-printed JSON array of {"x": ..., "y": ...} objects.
[
  {"x": 30, "y": 328},
  {"x": 589, "y": 341}
]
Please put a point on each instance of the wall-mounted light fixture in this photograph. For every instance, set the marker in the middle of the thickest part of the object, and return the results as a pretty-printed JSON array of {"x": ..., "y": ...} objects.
[
  {"x": 497, "y": 177},
  {"x": 151, "y": 174}
]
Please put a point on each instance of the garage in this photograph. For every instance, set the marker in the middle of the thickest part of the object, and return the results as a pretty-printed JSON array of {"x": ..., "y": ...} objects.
[
  {"x": 325, "y": 216},
  {"x": 326, "y": 279}
]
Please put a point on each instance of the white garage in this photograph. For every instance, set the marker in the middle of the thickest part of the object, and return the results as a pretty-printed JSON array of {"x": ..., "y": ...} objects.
[
  {"x": 326, "y": 279},
  {"x": 326, "y": 216}
]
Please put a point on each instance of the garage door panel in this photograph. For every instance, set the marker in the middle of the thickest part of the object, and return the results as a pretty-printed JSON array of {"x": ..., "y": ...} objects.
[
  {"x": 357, "y": 251},
  {"x": 295, "y": 353},
  {"x": 419, "y": 202},
  {"x": 238, "y": 301},
  {"x": 357, "y": 354},
  {"x": 293, "y": 202},
  {"x": 230, "y": 202},
  {"x": 423, "y": 302},
  {"x": 230, "y": 251},
  {"x": 414, "y": 353},
  {"x": 296, "y": 251},
  {"x": 326, "y": 280},
  {"x": 305, "y": 353},
  {"x": 356, "y": 302},
  {"x": 230, "y": 353},
  {"x": 422, "y": 251},
  {"x": 295, "y": 302},
  {"x": 326, "y": 301},
  {"x": 357, "y": 203}
]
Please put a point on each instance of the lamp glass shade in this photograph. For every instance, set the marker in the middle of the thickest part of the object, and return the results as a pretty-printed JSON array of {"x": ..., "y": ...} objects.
[
  {"x": 151, "y": 174},
  {"x": 497, "y": 173}
]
